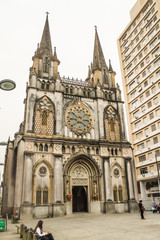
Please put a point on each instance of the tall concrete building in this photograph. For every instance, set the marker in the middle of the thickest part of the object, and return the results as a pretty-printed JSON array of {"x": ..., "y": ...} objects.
[
  {"x": 139, "y": 52},
  {"x": 70, "y": 153}
]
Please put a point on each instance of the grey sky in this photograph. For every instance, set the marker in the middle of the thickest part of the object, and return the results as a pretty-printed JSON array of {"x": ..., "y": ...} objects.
[{"x": 72, "y": 32}]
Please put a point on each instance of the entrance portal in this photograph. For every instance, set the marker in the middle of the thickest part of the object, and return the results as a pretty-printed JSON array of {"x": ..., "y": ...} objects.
[{"x": 79, "y": 199}]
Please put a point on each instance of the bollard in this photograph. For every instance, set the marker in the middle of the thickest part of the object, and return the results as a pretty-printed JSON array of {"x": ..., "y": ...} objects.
[{"x": 21, "y": 230}]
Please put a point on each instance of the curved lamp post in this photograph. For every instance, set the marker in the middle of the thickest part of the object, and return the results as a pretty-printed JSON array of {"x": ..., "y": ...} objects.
[{"x": 7, "y": 85}]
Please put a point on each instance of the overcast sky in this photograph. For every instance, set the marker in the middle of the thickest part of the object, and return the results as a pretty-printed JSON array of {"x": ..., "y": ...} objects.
[{"x": 72, "y": 33}]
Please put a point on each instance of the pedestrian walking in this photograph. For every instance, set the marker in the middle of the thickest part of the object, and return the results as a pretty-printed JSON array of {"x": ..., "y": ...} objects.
[
  {"x": 141, "y": 209},
  {"x": 42, "y": 235}
]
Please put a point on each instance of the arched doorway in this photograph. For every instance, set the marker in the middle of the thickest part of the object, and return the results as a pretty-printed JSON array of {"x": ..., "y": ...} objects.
[
  {"x": 82, "y": 185},
  {"x": 79, "y": 199}
]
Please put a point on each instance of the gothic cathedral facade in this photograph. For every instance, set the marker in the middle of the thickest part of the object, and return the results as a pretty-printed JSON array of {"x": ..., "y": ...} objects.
[{"x": 71, "y": 152}]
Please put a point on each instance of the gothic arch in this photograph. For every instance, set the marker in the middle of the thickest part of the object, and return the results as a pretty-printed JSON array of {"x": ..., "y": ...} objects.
[
  {"x": 82, "y": 170},
  {"x": 39, "y": 162},
  {"x": 112, "y": 127},
  {"x": 44, "y": 120},
  {"x": 118, "y": 166},
  {"x": 42, "y": 190}
]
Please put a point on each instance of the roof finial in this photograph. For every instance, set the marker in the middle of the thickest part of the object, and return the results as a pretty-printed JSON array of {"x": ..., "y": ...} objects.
[
  {"x": 95, "y": 27},
  {"x": 47, "y": 13}
]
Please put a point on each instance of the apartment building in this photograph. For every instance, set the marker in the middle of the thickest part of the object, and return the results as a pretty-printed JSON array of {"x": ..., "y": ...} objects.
[{"x": 139, "y": 52}]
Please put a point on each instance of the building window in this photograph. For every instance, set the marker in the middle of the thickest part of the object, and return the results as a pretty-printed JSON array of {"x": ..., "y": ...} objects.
[
  {"x": 141, "y": 98},
  {"x": 153, "y": 127},
  {"x": 142, "y": 158},
  {"x": 137, "y": 124},
  {"x": 151, "y": 115},
  {"x": 73, "y": 150},
  {"x": 144, "y": 74},
  {"x": 41, "y": 148},
  {"x": 38, "y": 196},
  {"x": 140, "y": 146},
  {"x": 135, "y": 114},
  {"x": 148, "y": 142},
  {"x": 143, "y": 170},
  {"x": 41, "y": 196},
  {"x": 147, "y": 94},
  {"x": 115, "y": 194},
  {"x": 149, "y": 104},
  {"x": 71, "y": 91},
  {"x": 46, "y": 148},
  {"x": 155, "y": 140},
  {"x": 150, "y": 156},
  {"x": 153, "y": 89},
  {"x": 120, "y": 194},
  {"x": 66, "y": 90},
  {"x": 146, "y": 83}
]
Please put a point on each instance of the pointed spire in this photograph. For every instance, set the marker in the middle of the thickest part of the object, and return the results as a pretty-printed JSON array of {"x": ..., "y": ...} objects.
[
  {"x": 110, "y": 66},
  {"x": 46, "y": 38},
  {"x": 98, "y": 57},
  {"x": 55, "y": 56}
]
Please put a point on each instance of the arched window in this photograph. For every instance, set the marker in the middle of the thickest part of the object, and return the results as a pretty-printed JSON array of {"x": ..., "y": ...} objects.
[
  {"x": 115, "y": 194},
  {"x": 97, "y": 151},
  {"x": 44, "y": 117},
  {"x": 73, "y": 149},
  {"x": 112, "y": 151},
  {"x": 46, "y": 148},
  {"x": 38, "y": 196},
  {"x": 63, "y": 149},
  {"x": 47, "y": 86},
  {"x": 116, "y": 151},
  {"x": 41, "y": 148},
  {"x": 45, "y": 195},
  {"x": 43, "y": 85},
  {"x": 88, "y": 150},
  {"x": 120, "y": 194}
]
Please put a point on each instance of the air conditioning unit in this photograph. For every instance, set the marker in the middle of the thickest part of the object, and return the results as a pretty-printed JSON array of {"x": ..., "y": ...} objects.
[
  {"x": 146, "y": 135},
  {"x": 148, "y": 148}
]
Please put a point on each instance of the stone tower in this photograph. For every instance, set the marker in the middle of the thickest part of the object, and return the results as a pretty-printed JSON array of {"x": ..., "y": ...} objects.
[{"x": 70, "y": 153}]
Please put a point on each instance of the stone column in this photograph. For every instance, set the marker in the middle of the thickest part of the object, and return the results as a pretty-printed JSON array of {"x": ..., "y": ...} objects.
[
  {"x": 58, "y": 179},
  {"x": 130, "y": 180},
  {"x": 107, "y": 180},
  {"x": 143, "y": 190},
  {"x": 27, "y": 186},
  {"x": 19, "y": 179}
]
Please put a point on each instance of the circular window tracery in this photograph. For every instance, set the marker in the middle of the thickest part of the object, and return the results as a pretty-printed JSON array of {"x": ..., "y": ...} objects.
[
  {"x": 116, "y": 172},
  {"x": 79, "y": 119},
  {"x": 42, "y": 171}
]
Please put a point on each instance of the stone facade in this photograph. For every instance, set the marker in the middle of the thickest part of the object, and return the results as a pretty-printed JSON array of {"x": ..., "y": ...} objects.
[{"x": 71, "y": 153}]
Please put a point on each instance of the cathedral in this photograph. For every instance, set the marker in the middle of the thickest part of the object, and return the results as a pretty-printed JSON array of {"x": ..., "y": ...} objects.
[{"x": 71, "y": 152}]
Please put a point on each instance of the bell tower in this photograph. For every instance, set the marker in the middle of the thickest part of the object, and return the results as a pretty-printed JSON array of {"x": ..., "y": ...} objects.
[{"x": 45, "y": 62}]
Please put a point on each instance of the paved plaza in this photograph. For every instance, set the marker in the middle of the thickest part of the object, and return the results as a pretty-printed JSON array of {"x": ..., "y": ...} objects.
[{"x": 86, "y": 226}]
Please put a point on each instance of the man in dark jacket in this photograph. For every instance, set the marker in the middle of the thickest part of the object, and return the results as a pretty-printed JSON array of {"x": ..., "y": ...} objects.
[{"x": 141, "y": 209}]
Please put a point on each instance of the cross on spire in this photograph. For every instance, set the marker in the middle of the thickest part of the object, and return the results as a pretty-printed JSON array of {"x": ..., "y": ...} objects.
[{"x": 47, "y": 13}]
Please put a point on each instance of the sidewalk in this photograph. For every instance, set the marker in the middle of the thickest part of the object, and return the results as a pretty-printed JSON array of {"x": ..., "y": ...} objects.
[{"x": 85, "y": 226}]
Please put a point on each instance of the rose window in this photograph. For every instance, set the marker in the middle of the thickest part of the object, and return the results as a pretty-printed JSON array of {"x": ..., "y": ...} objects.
[{"x": 79, "y": 119}]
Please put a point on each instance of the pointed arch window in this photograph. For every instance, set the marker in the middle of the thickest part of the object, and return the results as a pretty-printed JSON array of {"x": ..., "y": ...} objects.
[
  {"x": 41, "y": 148},
  {"x": 120, "y": 195},
  {"x": 115, "y": 195},
  {"x": 44, "y": 117},
  {"x": 38, "y": 196},
  {"x": 45, "y": 195},
  {"x": 42, "y": 196},
  {"x": 46, "y": 148},
  {"x": 88, "y": 150},
  {"x": 112, "y": 124},
  {"x": 63, "y": 149},
  {"x": 73, "y": 149}
]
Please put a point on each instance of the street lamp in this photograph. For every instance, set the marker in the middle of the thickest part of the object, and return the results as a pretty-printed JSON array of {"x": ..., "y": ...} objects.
[{"x": 7, "y": 85}]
